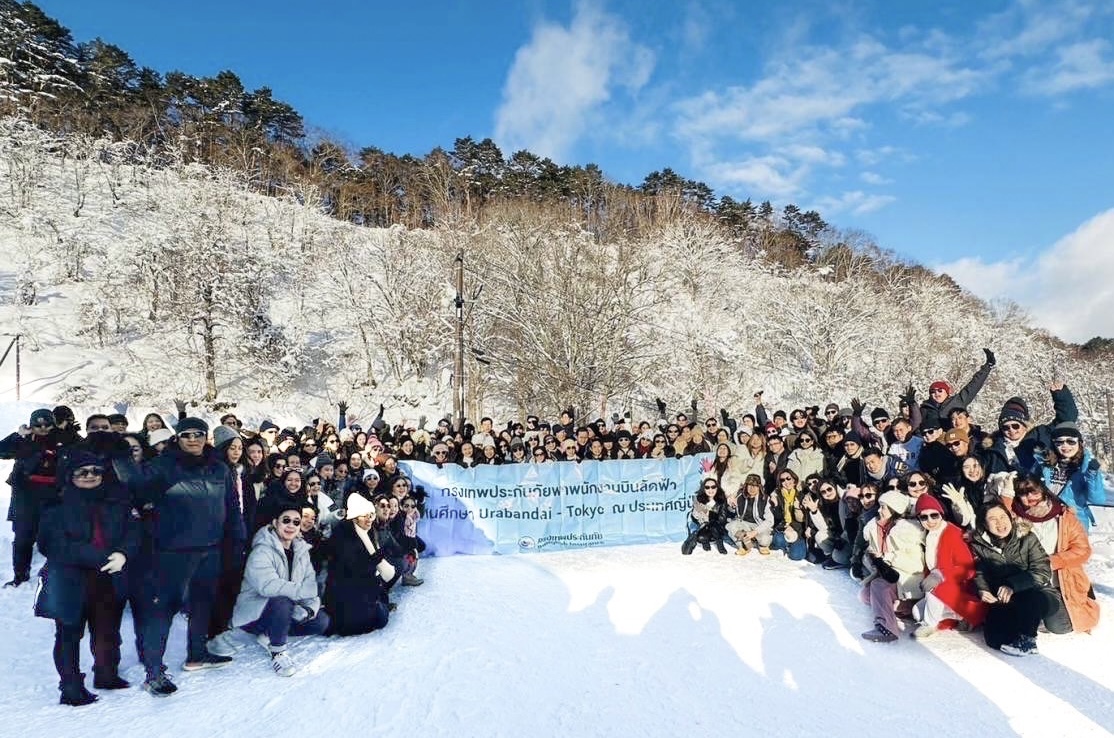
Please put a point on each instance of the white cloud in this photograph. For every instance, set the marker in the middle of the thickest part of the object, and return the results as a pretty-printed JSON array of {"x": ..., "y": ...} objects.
[
  {"x": 1079, "y": 66},
  {"x": 856, "y": 202},
  {"x": 772, "y": 175},
  {"x": 563, "y": 76},
  {"x": 874, "y": 178},
  {"x": 1068, "y": 289}
]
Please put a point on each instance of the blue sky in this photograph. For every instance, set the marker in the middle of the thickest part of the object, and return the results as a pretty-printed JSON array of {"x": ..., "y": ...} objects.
[{"x": 971, "y": 136}]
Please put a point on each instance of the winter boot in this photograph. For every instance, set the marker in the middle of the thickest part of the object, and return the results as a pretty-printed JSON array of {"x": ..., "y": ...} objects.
[
  {"x": 159, "y": 685},
  {"x": 18, "y": 579},
  {"x": 720, "y": 547},
  {"x": 880, "y": 634},
  {"x": 109, "y": 680},
  {"x": 74, "y": 692},
  {"x": 689, "y": 545}
]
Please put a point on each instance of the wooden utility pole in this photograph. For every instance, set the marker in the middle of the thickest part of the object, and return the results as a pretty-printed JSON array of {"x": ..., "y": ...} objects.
[{"x": 458, "y": 368}]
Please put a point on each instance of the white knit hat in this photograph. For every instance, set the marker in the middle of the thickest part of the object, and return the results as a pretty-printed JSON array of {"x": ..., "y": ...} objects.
[{"x": 358, "y": 505}]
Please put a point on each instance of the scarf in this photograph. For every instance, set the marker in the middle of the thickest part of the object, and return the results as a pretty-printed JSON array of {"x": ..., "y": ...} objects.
[{"x": 365, "y": 538}]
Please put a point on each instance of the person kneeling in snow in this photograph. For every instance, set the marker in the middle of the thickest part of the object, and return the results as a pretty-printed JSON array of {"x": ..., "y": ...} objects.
[
  {"x": 278, "y": 597},
  {"x": 355, "y": 592}
]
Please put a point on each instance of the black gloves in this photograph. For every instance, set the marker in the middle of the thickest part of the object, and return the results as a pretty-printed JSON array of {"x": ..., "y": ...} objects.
[
  {"x": 839, "y": 544},
  {"x": 723, "y": 416},
  {"x": 910, "y": 396},
  {"x": 884, "y": 570},
  {"x": 857, "y": 406},
  {"x": 342, "y": 406},
  {"x": 615, "y": 418},
  {"x": 857, "y": 570},
  {"x": 421, "y": 422},
  {"x": 661, "y": 405},
  {"x": 990, "y": 359},
  {"x": 693, "y": 406}
]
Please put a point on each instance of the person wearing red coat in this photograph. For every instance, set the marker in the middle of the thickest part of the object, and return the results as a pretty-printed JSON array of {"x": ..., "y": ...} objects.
[{"x": 950, "y": 597}]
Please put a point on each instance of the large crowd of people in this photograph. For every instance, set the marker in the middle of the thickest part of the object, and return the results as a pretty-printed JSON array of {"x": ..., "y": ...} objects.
[{"x": 269, "y": 533}]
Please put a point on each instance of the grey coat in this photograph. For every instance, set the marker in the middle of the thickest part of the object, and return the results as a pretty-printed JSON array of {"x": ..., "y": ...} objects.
[{"x": 266, "y": 576}]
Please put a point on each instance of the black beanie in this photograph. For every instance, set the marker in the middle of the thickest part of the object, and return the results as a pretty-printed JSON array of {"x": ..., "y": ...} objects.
[
  {"x": 879, "y": 413},
  {"x": 1015, "y": 409},
  {"x": 196, "y": 424}
]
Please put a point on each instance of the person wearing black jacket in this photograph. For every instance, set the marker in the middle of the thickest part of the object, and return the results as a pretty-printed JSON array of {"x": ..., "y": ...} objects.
[
  {"x": 88, "y": 538},
  {"x": 229, "y": 448},
  {"x": 35, "y": 448},
  {"x": 197, "y": 514},
  {"x": 355, "y": 595}
]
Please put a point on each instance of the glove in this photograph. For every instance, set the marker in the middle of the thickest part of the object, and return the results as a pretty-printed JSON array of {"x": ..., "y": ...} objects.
[
  {"x": 839, "y": 544},
  {"x": 960, "y": 504},
  {"x": 342, "y": 406},
  {"x": 385, "y": 571},
  {"x": 723, "y": 417},
  {"x": 910, "y": 395},
  {"x": 421, "y": 422},
  {"x": 180, "y": 405},
  {"x": 693, "y": 406},
  {"x": 990, "y": 359},
  {"x": 932, "y": 580},
  {"x": 857, "y": 406},
  {"x": 615, "y": 418},
  {"x": 114, "y": 563},
  {"x": 300, "y": 614},
  {"x": 661, "y": 405}
]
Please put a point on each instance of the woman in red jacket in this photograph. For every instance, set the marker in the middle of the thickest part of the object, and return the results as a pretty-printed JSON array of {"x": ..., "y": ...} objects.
[{"x": 949, "y": 593}]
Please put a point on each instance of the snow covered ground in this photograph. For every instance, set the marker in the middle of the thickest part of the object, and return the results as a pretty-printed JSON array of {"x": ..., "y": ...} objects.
[{"x": 630, "y": 641}]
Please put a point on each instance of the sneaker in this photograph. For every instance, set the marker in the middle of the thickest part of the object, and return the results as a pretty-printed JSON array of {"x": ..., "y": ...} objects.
[
  {"x": 742, "y": 550},
  {"x": 264, "y": 640},
  {"x": 1023, "y": 646},
  {"x": 880, "y": 634},
  {"x": 159, "y": 686},
  {"x": 410, "y": 580},
  {"x": 924, "y": 631},
  {"x": 831, "y": 564},
  {"x": 207, "y": 661},
  {"x": 222, "y": 645},
  {"x": 764, "y": 550},
  {"x": 283, "y": 664}
]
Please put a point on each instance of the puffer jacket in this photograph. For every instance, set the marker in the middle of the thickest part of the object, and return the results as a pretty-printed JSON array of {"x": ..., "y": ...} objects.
[
  {"x": 902, "y": 547},
  {"x": 1016, "y": 561},
  {"x": 268, "y": 575},
  {"x": 1085, "y": 487}
]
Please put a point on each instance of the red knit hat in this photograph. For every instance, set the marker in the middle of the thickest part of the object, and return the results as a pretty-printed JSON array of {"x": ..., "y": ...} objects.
[
  {"x": 940, "y": 384},
  {"x": 929, "y": 503}
]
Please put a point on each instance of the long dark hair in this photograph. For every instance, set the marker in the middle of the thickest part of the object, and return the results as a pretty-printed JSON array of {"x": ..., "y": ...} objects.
[{"x": 720, "y": 497}]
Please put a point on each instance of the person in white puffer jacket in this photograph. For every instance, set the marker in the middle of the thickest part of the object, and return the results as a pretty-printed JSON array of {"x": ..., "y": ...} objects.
[{"x": 278, "y": 597}]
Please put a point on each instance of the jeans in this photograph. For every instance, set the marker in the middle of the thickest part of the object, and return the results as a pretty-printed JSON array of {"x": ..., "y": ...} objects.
[{"x": 277, "y": 622}]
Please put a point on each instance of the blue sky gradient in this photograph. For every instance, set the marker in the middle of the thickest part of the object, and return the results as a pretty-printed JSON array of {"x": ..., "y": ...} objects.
[{"x": 968, "y": 136}]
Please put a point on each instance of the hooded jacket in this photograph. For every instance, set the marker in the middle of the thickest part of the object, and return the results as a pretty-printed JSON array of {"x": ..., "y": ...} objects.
[{"x": 268, "y": 575}]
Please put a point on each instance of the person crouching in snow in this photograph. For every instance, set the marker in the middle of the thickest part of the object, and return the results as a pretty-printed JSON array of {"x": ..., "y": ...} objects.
[
  {"x": 278, "y": 597},
  {"x": 895, "y": 554},
  {"x": 709, "y": 514},
  {"x": 950, "y": 598}
]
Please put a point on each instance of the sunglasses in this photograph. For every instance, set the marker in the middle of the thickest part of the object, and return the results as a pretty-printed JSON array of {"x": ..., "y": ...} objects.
[
  {"x": 42, "y": 425},
  {"x": 827, "y": 489},
  {"x": 917, "y": 483},
  {"x": 709, "y": 486},
  {"x": 710, "y": 424},
  {"x": 440, "y": 453},
  {"x": 383, "y": 504},
  {"x": 1066, "y": 441},
  {"x": 785, "y": 479},
  {"x": 929, "y": 516},
  {"x": 894, "y": 485},
  {"x": 89, "y": 472},
  {"x": 190, "y": 435},
  {"x": 830, "y": 412},
  {"x": 290, "y": 521},
  {"x": 1011, "y": 426},
  {"x": 313, "y": 484},
  {"x": 955, "y": 444}
]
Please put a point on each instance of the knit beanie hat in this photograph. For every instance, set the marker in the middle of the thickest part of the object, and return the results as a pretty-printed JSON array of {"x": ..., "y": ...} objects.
[
  {"x": 194, "y": 424},
  {"x": 929, "y": 503},
  {"x": 267, "y": 425},
  {"x": 1067, "y": 430},
  {"x": 322, "y": 461},
  {"x": 1016, "y": 410},
  {"x": 879, "y": 413},
  {"x": 896, "y": 501},
  {"x": 223, "y": 434},
  {"x": 853, "y": 437},
  {"x": 940, "y": 384},
  {"x": 42, "y": 415}
]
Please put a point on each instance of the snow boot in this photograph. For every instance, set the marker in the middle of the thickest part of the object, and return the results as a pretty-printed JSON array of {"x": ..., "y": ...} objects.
[
  {"x": 74, "y": 692},
  {"x": 720, "y": 547},
  {"x": 689, "y": 545},
  {"x": 109, "y": 680},
  {"x": 17, "y": 580}
]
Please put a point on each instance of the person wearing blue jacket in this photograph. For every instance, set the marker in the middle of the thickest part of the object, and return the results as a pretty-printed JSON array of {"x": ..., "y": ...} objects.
[
  {"x": 88, "y": 538},
  {"x": 1072, "y": 473},
  {"x": 1020, "y": 443},
  {"x": 196, "y": 515}
]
